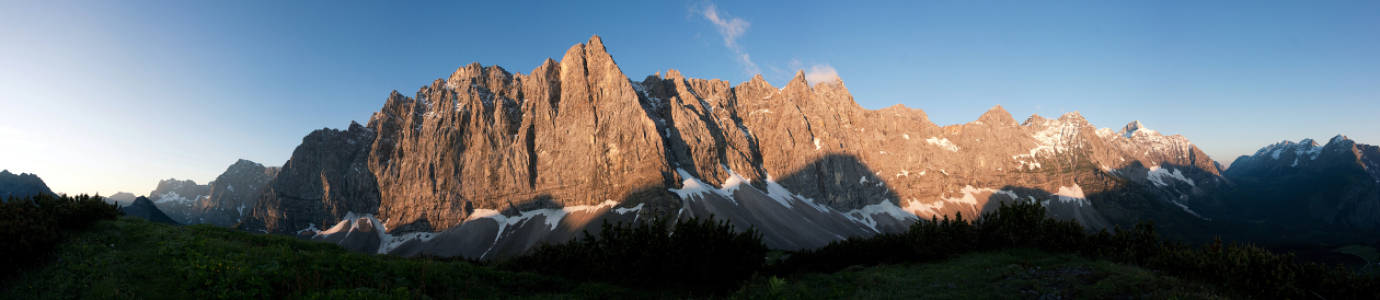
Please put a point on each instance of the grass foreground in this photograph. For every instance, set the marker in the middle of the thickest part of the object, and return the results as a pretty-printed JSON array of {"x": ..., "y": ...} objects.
[
  {"x": 1008, "y": 274},
  {"x": 130, "y": 258}
]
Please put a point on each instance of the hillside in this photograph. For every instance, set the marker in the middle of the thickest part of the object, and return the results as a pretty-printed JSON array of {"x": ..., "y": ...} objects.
[{"x": 134, "y": 258}]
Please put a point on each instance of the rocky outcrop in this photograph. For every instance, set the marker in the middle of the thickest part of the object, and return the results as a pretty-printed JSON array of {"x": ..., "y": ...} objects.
[
  {"x": 1307, "y": 184},
  {"x": 487, "y": 163},
  {"x": 144, "y": 208},
  {"x": 21, "y": 185}
]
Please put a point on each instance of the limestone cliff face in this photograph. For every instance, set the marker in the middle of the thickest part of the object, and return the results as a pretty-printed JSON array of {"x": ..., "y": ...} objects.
[
  {"x": 503, "y": 161},
  {"x": 571, "y": 133}
]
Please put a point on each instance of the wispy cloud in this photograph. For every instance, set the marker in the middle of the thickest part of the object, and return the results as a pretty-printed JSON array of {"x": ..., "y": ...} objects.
[
  {"x": 730, "y": 28},
  {"x": 821, "y": 73}
]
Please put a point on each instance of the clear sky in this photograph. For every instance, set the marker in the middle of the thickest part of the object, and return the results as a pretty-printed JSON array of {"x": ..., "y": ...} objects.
[{"x": 106, "y": 96}]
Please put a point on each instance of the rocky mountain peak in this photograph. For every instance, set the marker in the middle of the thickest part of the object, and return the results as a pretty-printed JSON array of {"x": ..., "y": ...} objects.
[
  {"x": 674, "y": 74},
  {"x": 1131, "y": 129},
  {"x": 798, "y": 83},
  {"x": 1339, "y": 141},
  {"x": 757, "y": 80},
  {"x": 997, "y": 116},
  {"x": 1034, "y": 119}
]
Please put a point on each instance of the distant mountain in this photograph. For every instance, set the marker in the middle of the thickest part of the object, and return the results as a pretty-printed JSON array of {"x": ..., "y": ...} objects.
[
  {"x": 222, "y": 202},
  {"x": 122, "y": 198},
  {"x": 143, "y": 208},
  {"x": 178, "y": 198},
  {"x": 1305, "y": 185},
  {"x": 487, "y": 164},
  {"x": 21, "y": 185},
  {"x": 234, "y": 193}
]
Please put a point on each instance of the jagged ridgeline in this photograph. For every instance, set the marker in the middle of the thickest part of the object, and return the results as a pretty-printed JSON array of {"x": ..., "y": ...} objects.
[
  {"x": 218, "y": 202},
  {"x": 488, "y": 164}
]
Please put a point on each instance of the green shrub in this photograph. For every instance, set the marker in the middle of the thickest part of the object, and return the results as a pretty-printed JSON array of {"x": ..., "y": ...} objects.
[
  {"x": 1245, "y": 269},
  {"x": 693, "y": 255},
  {"x": 31, "y": 227}
]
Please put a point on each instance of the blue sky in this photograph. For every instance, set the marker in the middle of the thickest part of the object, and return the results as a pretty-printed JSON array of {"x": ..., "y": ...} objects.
[{"x": 107, "y": 96}]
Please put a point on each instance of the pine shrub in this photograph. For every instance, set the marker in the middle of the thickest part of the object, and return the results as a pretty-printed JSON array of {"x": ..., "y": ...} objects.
[
  {"x": 32, "y": 227},
  {"x": 693, "y": 255},
  {"x": 1243, "y": 269}
]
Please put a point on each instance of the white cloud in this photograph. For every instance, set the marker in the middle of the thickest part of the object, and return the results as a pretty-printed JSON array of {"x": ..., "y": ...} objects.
[
  {"x": 730, "y": 28},
  {"x": 821, "y": 73}
]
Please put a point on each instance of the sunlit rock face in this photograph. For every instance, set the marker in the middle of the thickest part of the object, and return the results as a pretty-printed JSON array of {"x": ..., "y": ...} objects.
[{"x": 487, "y": 163}]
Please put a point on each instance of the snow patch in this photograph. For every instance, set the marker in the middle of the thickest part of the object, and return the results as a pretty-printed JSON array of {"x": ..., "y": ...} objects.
[
  {"x": 693, "y": 186},
  {"x": 916, "y": 207},
  {"x": 1106, "y": 133},
  {"x": 903, "y": 173},
  {"x": 173, "y": 197},
  {"x": 907, "y": 136},
  {"x": 816, "y": 143},
  {"x": 1072, "y": 194},
  {"x": 1190, "y": 211},
  {"x": 942, "y": 143},
  {"x": 1157, "y": 175},
  {"x": 865, "y": 214},
  {"x": 311, "y": 227},
  {"x": 626, "y": 210}
]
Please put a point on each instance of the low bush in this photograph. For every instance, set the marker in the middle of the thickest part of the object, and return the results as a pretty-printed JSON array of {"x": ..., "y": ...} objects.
[
  {"x": 1244, "y": 269},
  {"x": 31, "y": 227},
  {"x": 694, "y": 255}
]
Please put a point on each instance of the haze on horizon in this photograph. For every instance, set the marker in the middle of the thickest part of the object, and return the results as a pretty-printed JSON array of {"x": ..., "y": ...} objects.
[{"x": 114, "y": 96}]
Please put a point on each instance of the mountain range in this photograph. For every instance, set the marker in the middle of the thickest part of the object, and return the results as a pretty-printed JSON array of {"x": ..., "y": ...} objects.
[
  {"x": 487, "y": 163},
  {"x": 217, "y": 202}
]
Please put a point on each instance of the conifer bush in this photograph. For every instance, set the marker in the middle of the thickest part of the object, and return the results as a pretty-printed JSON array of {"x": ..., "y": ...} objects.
[
  {"x": 693, "y": 255},
  {"x": 1244, "y": 269},
  {"x": 32, "y": 226}
]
